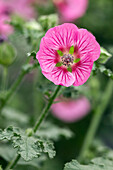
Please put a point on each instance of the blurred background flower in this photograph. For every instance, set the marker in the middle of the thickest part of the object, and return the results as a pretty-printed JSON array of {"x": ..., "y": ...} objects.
[
  {"x": 22, "y": 8},
  {"x": 5, "y": 28},
  {"x": 9, "y": 8},
  {"x": 71, "y": 10},
  {"x": 3, "y": 7},
  {"x": 69, "y": 110}
]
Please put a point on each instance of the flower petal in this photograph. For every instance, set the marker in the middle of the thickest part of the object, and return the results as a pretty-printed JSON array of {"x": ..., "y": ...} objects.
[
  {"x": 61, "y": 36},
  {"x": 60, "y": 76},
  {"x": 47, "y": 57},
  {"x": 87, "y": 43},
  {"x": 82, "y": 70},
  {"x": 72, "y": 9}
]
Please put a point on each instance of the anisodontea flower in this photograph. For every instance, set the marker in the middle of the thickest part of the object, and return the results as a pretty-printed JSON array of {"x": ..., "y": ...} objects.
[
  {"x": 67, "y": 54},
  {"x": 71, "y": 110},
  {"x": 22, "y": 8},
  {"x": 3, "y": 7},
  {"x": 70, "y": 10},
  {"x": 5, "y": 29}
]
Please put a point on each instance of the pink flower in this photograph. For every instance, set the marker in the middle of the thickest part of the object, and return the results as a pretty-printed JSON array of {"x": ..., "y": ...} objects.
[
  {"x": 2, "y": 7},
  {"x": 22, "y": 8},
  {"x": 67, "y": 54},
  {"x": 5, "y": 29},
  {"x": 72, "y": 110},
  {"x": 71, "y": 9}
]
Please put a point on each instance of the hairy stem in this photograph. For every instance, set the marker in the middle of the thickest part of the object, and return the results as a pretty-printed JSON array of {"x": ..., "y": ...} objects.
[
  {"x": 37, "y": 125},
  {"x": 105, "y": 97},
  {"x": 44, "y": 113}
]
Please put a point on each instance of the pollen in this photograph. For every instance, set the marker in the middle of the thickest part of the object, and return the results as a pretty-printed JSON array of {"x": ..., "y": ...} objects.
[{"x": 67, "y": 59}]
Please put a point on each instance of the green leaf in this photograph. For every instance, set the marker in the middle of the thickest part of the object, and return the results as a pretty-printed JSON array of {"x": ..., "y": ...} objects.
[
  {"x": 60, "y": 52},
  {"x": 27, "y": 147},
  {"x": 31, "y": 147},
  {"x": 59, "y": 64},
  {"x": 9, "y": 133},
  {"x": 33, "y": 25},
  {"x": 14, "y": 115},
  {"x": 17, "y": 22},
  {"x": 106, "y": 71},
  {"x": 71, "y": 50},
  {"x": 8, "y": 153},
  {"x": 104, "y": 56},
  {"x": 95, "y": 164},
  {"x": 49, "y": 148},
  {"x": 0, "y": 167},
  {"x": 48, "y": 21},
  {"x": 7, "y": 54},
  {"x": 98, "y": 149},
  {"x": 53, "y": 132},
  {"x": 69, "y": 69},
  {"x": 29, "y": 67},
  {"x": 76, "y": 60}
]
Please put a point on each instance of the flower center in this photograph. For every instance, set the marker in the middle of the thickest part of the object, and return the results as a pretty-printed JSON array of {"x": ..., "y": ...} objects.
[{"x": 67, "y": 59}]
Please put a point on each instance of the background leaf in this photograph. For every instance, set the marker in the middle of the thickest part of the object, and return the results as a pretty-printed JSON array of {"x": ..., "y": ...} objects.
[
  {"x": 96, "y": 164},
  {"x": 51, "y": 131},
  {"x": 27, "y": 147},
  {"x": 104, "y": 56}
]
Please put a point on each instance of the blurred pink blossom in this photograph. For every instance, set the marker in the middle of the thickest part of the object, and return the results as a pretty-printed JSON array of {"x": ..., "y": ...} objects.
[
  {"x": 71, "y": 9},
  {"x": 5, "y": 29},
  {"x": 22, "y": 8},
  {"x": 71, "y": 110},
  {"x": 4, "y": 8}
]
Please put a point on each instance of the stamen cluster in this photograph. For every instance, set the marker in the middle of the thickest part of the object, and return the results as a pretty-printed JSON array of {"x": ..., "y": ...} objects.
[{"x": 67, "y": 59}]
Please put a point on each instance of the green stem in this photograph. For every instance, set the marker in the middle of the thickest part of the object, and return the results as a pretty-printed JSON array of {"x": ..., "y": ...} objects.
[
  {"x": 44, "y": 113},
  {"x": 37, "y": 125},
  {"x": 15, "y": 85},
  {"x": 4, "y": 79},
  {"x": 105, "y": 97},
  {"x": 13, "y": 89},
  {"x": 13, "y": 163}
]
